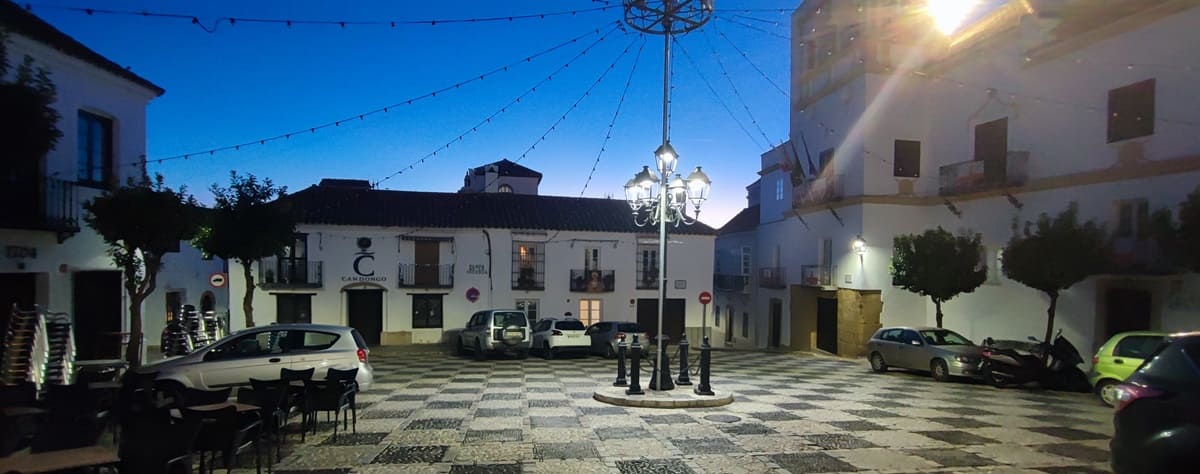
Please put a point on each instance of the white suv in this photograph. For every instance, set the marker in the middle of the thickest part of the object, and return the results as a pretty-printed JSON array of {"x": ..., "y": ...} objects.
[
  {"x": 495, "y": 331},
  {"x": 260, "y": 352},
  {"x": 556, "y": 336}
]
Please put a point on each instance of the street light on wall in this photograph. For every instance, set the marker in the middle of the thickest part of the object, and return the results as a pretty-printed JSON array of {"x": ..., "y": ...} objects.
[{"x": 859, "y": 245}]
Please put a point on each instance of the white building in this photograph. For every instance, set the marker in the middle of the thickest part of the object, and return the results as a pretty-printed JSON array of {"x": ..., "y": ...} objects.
[
  {"x": 51, "y": 258},
  {"x": 897, "y": 128},
  {"x": 411, "y": 267}
]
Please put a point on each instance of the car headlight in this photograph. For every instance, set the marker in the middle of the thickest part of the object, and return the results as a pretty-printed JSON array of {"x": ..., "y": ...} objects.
[{"x": 964, "y": 359}]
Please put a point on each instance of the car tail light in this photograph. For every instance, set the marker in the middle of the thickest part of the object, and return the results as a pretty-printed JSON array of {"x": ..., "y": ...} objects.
[
  {"x": 618, "y": 336},
  {"x": 498, "y": 334},
  {"x": 555, "y": 332},
  {"x": 1095, "y": 360},
  {"x": 1128, "y": 393},
  {"x": 362, "y": 355}
]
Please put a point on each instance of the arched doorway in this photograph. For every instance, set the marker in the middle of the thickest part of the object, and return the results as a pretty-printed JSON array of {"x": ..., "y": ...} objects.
[{"x": 208, "y": 302}]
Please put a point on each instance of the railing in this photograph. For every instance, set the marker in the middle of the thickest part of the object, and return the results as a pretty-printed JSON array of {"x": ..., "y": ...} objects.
[
  {"x": 772, "y": 277},
  {"x": 289, "y": 273},
  {"x": 817, "y": 275},
  {"x": 723, "y": 282},
  {"x": 426, "y": 275},
  {"x": 45, "y": 204},
  {"x": 647, "y": 279},
  {"x": 593, "y": 281},
  {"x": 819, "y": 190},
  {"x": 981, "y": 175},
  {"x": 529, "y": 278},
  {"x": 1139, "y": 257}
]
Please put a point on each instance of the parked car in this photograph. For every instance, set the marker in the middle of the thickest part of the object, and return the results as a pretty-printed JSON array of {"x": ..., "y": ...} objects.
[
  {"x": 1118, "y": 358},
  {"x": 496, "y": 331},
  {"x": 1157, "y": 419},
  {"x": 558, "y": 336},
  {"x": 944, "y": 353},
  {"x": 260, "y": 352},
  {"x": 606, "y": 335}
]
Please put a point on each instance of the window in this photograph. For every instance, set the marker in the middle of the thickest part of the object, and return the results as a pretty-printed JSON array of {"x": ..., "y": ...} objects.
[
  {"x": 1131, "y": 111},
  {"x": 745, "y": 324},
  {"x": 779, "y": 189},
  {"x": 991, "y": 260},
  {"x": 293, "y": 308},
  {"x": 309, "y": 340},
  {"x": 293, "y": 264},
  {"x": 427, "y": 311},
  {"x": 569, "y": 325},
  {"x": 647, "y": 267},
  {"x": 504, "y": 188},
  {"x": 906, "y": 162},
  {"x": 530, "y": 307},
  {"x": 891, "y": 335},
  {"x": 95, "y": 149},
  {"x": 716, "y": 315},
  {"x": 747, "y": 259},
  {"x": 591, "y": 258},
  {"x": 1133, "y": 219},
  {"x": 1137, "y": 347},
  {"x": 589, "y": 312},
  {"x": 528, "y": 268},
  {"x": 257, "y": 344},
  {"x": 824, "y": 158}
]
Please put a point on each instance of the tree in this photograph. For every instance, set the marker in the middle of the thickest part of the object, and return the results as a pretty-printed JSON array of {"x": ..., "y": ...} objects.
[
  {"x": 1179, "y": 240},
  {"x": 1055, "y": 254},
  {"x": 938, "y": 264},
  {"x": 141, "y": 222},
  {"x": 28, "y": 120},
  {"x": 249, "y": 221}
]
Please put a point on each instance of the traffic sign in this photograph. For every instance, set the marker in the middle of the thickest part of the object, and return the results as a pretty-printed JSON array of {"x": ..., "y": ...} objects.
[
  {"x": 705, "y": 297},
  {"x": 217, "y": 280},
  {"x": 472, "y": 294}
]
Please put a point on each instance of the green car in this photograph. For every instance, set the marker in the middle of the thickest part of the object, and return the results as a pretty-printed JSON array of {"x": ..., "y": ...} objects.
[{"x": 1118, "y": 358}]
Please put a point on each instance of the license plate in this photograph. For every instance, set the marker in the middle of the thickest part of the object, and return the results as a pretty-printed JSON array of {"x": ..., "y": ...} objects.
[
  {"x": 573, "y": 336},
  {"x": 514, "y": 334}
]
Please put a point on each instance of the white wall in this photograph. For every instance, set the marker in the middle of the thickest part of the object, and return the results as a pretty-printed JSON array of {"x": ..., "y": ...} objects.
[{"x": 188, "y": 273}]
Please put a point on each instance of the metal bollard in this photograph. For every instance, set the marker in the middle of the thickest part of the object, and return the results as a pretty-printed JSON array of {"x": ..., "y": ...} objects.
[
  {"x": 635, "y": 387},
  {"x": 667, "y": 381},
  {"x": 705, "y": 363},
  {"x": 683, "y": 362},
  {"x": 621, "y": 382}
]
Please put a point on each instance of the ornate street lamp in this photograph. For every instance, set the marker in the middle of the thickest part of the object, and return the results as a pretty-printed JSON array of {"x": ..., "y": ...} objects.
[{"x": 663, "y": 198}]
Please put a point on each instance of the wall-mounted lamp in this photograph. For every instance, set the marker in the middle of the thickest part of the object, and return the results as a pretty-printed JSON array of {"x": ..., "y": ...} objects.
[{"x": 859, "y": 245}]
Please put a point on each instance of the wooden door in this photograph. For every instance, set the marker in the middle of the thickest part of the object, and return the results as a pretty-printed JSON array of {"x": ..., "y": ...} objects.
[{"x": 426, "y": 272}]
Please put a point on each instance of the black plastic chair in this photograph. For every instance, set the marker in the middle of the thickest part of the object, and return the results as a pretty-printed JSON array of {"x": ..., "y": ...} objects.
[
  {"x": 72, "y": 419},
  {"x": 158, "y": 445},
  {"x": 295, "y": 393},
  {"x": 22, "y": 394},
  {"x": 271, "y": 397},
  {"x": 194, "y": 397},
  {"x": 349, "y": 378},
  {"x": 328, "y": 396},
  {"x": 227, "y": 432}
]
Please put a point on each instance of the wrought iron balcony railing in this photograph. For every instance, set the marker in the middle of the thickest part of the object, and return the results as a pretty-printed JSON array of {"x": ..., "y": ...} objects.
[
  {"x": 772, "y": 277},
  {"x": 426, "y": 275},
  {"x": 529, "y": 278},
  {"x": 724, "y": 282},
  {"x": 817, "y": 275},
  {"x": 820, "y": 190},
  {"x": 42, "y": 204},
  {"x": 593, "y": 281},
  {"x": 981, "y": 175},
  {"x": 289, "y": 273}
]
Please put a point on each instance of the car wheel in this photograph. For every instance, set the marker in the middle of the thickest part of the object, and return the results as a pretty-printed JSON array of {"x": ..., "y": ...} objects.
[
  {"x": 479, "y": 354},
  {"x": 522, "y": 354},
  {"x": 459, "y": 348},
  {"x": 877, "y": 363},
  {"x": 546, "y": 352},
  {"x": 609, "y": 353},
  {"x": 1107, "y": 391},
  {"x": 940, "y": 371}
]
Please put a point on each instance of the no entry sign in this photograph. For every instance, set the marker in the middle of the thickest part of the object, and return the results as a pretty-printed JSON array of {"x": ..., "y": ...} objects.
[
  {"x": 705, "y": 297},
  {"x": 217, "y": 280}
]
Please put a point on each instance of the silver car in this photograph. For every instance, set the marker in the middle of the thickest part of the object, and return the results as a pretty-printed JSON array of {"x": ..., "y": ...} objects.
[
  {"x": 495, "y": 331},
  {"x": 606, "y": 335},
  {"x": 260, "y": 352},
  {"x": 944, "y": 353}
]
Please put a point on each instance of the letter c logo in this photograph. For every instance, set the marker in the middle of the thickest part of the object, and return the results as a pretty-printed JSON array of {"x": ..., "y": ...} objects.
[{"x": 358, "y": 262}]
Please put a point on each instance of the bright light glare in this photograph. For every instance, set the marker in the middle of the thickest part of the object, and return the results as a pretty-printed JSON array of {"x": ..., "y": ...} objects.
[{"x": 948, "y": 15}]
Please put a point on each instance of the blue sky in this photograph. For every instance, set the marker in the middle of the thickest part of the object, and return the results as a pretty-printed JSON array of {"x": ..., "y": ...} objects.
[{"x": 248, "y": 81}]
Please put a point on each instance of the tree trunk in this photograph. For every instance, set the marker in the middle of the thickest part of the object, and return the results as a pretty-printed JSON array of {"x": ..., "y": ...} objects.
[
  {"x": 1050, "y": 316},
  {"x": 133, "y": 351},
  {"x": 248, "y": 299},
  {"x": 938, "y": 304}
]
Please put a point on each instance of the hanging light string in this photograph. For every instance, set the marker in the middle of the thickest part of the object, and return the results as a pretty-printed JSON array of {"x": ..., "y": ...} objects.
[
  {"x": 733, "y": 85},
  {"x": 233, "y": 20},
  {"x": 501, "y": 110},
  {"x": 616, "y": 113},
  {"x": 748, "y": 61},
  {"x": 713, "y": 91},
  {"x": 729, "y": 19},
  {"x": 380, "y": 110}
]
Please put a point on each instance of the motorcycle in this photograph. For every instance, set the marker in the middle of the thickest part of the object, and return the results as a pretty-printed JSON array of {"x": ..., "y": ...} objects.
[{"x": 1052, "y": 366}]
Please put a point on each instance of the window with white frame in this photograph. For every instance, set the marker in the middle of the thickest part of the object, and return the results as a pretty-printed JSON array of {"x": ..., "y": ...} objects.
[
  {"x": 779, "y": 189},
  {"x": 647, "y": 267},
  {"x": 747, "y": 260},
  {"x": 530, "y": 307},
  {"x": 589, "y": 311},
  {"x": 591, "y": 258}
]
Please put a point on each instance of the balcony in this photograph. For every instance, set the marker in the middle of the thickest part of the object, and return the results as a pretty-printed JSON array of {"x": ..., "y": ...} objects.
[
  {"x": 981, "y": 175},
  {"x": 647, "y": 279},
  {"x": 817, "y": 275},
  {"x": 529, "y": 279},
  {"x": 593, "y": 281},
  {"x": 736, "y": 283},
  {"x": 426, "y": 275},
  {"x": 821, "y": 190},
  {"x": 282, "y": 273},
  {"x": 772, "y": 277},
  {"x": 1133, "y": 256},
  {"x": 45, "y": 204}
]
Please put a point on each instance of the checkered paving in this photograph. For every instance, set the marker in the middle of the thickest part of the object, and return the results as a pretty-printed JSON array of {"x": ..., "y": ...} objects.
[{"x": 792, "y": 413}]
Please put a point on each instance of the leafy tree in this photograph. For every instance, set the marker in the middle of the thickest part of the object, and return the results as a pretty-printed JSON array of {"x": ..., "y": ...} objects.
[
  {"x": 938, "y": 264},
  {"x": 1055, "y": 254},
  {"x": 141, "y": 222},
  {"x": 1179, "y": 241},
  {"x": 28, "y": 120},
  {"x": 250, "y": 221}
]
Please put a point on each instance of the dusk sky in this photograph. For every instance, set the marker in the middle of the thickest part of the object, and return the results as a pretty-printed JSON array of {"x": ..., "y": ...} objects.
[{"x": 247, "y": 81}]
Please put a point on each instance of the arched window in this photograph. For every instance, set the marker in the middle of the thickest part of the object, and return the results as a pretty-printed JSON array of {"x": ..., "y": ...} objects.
[{"x": 504, "y": 188}]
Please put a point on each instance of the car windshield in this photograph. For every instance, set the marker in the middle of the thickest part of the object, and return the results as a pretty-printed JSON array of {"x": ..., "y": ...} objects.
[
  {"x": 569, "y": 325},
  {"x": 509, "y": 318},
  {"x": 944, "y": 337},
  {"x": 629, "y": 327}
]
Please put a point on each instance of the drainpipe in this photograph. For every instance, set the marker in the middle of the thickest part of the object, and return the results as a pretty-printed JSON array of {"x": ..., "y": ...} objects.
[{"x": 489, "y": 254}]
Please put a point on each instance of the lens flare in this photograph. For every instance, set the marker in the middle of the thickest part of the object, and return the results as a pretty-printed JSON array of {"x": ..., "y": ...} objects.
[{"x": 948, "y": 15}]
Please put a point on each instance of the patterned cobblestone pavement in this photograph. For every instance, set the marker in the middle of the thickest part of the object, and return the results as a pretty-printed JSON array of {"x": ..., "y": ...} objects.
[{"x": 792, "y": 413}]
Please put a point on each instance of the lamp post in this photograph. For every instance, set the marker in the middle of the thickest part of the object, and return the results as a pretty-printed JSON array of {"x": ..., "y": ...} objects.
[{"x": 660, "y": 198}]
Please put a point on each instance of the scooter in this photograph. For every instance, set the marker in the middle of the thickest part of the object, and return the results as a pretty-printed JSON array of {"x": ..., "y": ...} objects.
[{"x": 1018, "y": 363}]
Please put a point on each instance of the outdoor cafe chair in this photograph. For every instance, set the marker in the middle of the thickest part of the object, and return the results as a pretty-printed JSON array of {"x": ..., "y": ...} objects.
[
  {"x": 226, "y": 432},
  {"x": 271, "y": 397}
]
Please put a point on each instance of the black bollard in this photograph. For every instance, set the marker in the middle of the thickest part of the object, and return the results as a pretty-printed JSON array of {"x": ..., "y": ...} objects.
[
  {"x": 621, "y": 382},
  {"x": 705, "y": 362},
  {"x": 683, "y": 362},
  {"x": 635, "y": 369},
  {"x": 666, "y": 382}
]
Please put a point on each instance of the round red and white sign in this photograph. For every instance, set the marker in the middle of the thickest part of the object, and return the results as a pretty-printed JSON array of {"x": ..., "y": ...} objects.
[
  {"x": 705, "y": 297},
  {"x": 472, "y": 294},
  {"x": 217, "y": 280}
]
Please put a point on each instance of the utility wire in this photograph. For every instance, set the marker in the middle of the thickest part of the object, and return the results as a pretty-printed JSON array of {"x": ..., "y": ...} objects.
[
  {"x": 711, "y": 89},
  {"x": 608, "y": 133},
  {"x": 232, "y": 20},
  {"x": 752, "y": 27},
  {"x": 733, "y": 85},
  {"x": 748, "y": 61},
  {"x": 380, "y": 110},
  {"x": 504, "y": 108}
]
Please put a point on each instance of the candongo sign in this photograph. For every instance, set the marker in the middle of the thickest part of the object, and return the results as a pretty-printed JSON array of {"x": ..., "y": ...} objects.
[{"x": 364, "y": 264}]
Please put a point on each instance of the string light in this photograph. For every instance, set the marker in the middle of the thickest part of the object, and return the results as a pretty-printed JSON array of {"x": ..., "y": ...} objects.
[
  {"x": 733, "y": 85},
  {"x": 751, "y": 63},
  {"x": 361, "y": 116},
  {"x": 751, "y": 27},
  {"x": 713, "y": 91},
  {"x": 613, "y": 122}
]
